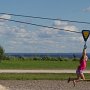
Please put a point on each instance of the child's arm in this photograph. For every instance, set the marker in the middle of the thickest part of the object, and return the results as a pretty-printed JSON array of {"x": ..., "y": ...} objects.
[{"x": 84, "y": 54}]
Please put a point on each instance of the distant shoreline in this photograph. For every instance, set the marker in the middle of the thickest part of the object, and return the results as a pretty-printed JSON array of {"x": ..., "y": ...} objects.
[{"x": 66, "y": 55}]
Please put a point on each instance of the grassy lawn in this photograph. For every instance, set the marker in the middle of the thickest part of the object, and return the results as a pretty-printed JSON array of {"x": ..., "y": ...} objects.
[
  {"x": 39, "y": 64},
  {"x": 39, "y": 76},
  {"x": 30, "y": 64}
]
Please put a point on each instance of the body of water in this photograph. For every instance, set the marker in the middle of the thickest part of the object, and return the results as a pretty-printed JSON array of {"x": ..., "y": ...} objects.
[{"x": 66, "y": 55}]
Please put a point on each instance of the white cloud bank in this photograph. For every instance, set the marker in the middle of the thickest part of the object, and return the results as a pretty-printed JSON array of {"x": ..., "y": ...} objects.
[{"x": 20, "y": 39}]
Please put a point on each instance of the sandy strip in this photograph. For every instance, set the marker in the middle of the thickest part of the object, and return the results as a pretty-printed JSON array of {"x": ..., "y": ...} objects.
[
  {"x": 41, "y": 71},
  {"x": 42, "y": 85}
]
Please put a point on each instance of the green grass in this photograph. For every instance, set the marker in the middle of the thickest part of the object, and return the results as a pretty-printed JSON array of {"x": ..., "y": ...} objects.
[
  {"x": 35, "y": 76},
  {"x": 39, "y": 76},
  {"x": 39, "y": 64},
  {"x": 29, "y": 64},
  {"x": 32, "y": 64}
]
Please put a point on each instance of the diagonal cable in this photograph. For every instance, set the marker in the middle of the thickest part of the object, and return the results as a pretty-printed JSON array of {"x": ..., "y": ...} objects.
[{"x": 38, "y": 25}]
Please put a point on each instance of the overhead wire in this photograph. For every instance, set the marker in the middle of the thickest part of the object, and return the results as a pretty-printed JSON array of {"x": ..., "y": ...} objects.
[
  {"x": 38, "y": 25},
  {"x": 46, "y": 18}
]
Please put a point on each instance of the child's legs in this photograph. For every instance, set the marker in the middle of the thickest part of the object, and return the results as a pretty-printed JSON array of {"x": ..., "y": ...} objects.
[
  {"x": 78, "y": 72},
  {"x": 82, "y": 76},
  {"x": 77, "y": 78}
]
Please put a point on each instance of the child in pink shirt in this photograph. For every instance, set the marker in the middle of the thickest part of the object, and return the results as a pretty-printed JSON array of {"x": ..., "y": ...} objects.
[{"x": 80, "y": 68}]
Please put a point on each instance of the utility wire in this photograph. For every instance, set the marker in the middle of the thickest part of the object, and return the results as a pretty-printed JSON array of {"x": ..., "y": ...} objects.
[
  {"x": 46, "y": 18},
  {"x": 38, "y": 25}
]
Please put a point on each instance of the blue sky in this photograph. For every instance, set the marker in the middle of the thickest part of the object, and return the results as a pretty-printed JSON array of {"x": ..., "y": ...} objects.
[{"x": 16, "y": 37}]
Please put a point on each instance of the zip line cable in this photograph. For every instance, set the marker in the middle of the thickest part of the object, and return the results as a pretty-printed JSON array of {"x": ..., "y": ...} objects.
[
  {"x": 38, "y": 25},
  {"x": 46, "y": 18}
]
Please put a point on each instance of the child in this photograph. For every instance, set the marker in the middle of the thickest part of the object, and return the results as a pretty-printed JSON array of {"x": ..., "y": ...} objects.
[{"x": 80, "y": 68}]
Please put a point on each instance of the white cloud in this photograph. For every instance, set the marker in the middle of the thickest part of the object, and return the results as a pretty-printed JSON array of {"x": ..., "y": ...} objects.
[
  {"x": 65, "y": 25},
  {"x": 20, "y": 39},
  {"x": 46, "y": 32},
  {"x": 5, "y": 16},
  {"x": 87, "y": 9},
  {"x": 59, "y": 23},
  {"x": 71, "y": 27}
]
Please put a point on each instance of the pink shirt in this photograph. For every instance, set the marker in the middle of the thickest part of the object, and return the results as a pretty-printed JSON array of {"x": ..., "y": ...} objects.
[{"x": 82, "y": 65}]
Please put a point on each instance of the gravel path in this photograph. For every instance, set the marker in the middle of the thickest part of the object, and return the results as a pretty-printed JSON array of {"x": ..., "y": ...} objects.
[{"x": 43, "y": 85}]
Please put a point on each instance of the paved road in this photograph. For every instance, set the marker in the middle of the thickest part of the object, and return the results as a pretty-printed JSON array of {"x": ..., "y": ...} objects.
[{"x": 40, "y": 71}]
